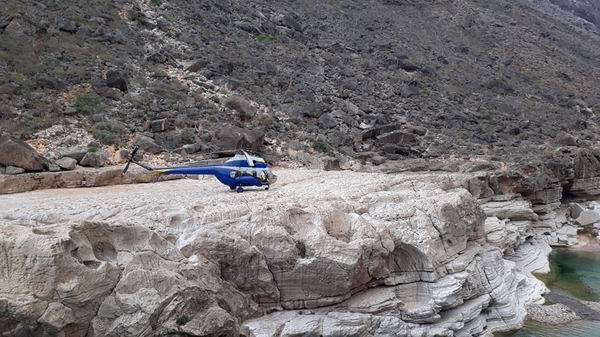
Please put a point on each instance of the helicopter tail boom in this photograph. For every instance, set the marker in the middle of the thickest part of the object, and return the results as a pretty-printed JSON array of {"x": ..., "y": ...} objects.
[{"x": 191, "y": 170}]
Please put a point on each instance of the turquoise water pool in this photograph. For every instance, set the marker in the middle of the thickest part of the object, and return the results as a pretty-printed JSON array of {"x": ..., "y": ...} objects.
[
  {"x": 573, "y": 329},
  {"x": 578, "y": 274}
]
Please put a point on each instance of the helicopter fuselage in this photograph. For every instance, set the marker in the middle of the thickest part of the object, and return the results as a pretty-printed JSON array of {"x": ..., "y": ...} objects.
[
  {"x": 232, "y": 173},
  {"x": 240, "y": 171}
]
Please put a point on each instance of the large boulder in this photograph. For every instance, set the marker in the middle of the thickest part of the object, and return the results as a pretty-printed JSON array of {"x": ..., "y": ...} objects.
[
  {"x": 147, "y": 144},
  {"x": 94, "y": 159},
  {"x": 234, "y": 138},
  {"x": 15, "y": 152},
  {"x": 116, "y": 79}
]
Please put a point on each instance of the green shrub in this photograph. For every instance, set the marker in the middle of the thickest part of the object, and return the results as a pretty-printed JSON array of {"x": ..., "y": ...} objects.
[
  {"x": 183, "y": 320},
  {"x": 109, "y": 132},
  {"x": 321, "y": 145},
  {"x": 19, "y": 55},
  {"x": 170, "y": 18},
  {"x": 87, "y": 102},
  {"x": 23, "y": 81},
  {"x": 265, "y": 120},
  {"x": 266, "y": 38},
  {"x": 156, "y": 2},
  {"x": 27, "y": 124}
]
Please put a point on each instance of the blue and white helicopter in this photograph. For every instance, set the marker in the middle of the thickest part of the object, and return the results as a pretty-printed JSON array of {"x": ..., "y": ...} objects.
[{"x": 242, "y": 170}]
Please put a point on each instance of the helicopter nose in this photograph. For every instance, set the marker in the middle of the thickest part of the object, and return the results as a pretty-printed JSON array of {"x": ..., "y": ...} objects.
[{"x": 272, "y": 179}]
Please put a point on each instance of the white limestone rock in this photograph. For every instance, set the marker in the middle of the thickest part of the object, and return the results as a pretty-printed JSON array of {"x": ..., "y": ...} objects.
[
  {"x": 341, "y": 253},
  {"x": 566, "y": 236},
  {"x": 516, "y": 209},
  {"x": 532, "y": 256},
  {"x": 587, "y": 217},
  {"x": 57, "y": 315},
  {"x": 575, "y": 210}
]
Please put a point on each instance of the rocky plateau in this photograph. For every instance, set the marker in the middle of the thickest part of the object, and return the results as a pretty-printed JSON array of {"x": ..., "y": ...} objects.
[{"x": 335, "y": 253}]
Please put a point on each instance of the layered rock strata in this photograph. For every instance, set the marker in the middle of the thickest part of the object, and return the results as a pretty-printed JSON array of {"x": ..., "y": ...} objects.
[{"x": 324, "y": 253}]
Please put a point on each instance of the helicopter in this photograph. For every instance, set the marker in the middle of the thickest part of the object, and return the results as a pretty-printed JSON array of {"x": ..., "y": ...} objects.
[{"x": 239, "y": 171}]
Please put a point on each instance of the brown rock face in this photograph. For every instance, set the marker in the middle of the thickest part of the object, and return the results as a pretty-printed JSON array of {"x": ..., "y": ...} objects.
[{"x": 15, "y": 152}]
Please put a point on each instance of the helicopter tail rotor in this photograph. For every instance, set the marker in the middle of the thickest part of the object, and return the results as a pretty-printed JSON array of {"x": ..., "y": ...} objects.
[{"x": 131, "y": 159}]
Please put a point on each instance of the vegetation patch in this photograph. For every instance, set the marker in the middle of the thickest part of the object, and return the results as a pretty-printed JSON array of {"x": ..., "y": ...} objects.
[
  {"x": 87, "y": 102},
  {"x": 22, "y": 80},
  {"x": 109, "y": 132},
  {"x": 321, "y": 145},
  {"x": 266, "y": 38}
]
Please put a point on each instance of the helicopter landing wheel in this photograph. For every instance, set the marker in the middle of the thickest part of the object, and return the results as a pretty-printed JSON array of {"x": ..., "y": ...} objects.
[
  {"x": 232, "y": 188},
  {"x": 239, "y": 189},
  {"x": 267, "y": 188}
]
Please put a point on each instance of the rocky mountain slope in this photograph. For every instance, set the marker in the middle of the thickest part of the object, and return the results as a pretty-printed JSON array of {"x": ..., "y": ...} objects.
[
  {"x": 589, "y": 10},
  {"x": 400, "y": 79}
]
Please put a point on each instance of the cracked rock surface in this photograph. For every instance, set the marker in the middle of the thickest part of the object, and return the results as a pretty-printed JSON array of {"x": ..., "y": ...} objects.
[{"x": 322, "y": 253}]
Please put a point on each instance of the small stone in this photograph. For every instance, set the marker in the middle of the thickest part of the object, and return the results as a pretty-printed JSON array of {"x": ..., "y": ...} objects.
[
  {"x": 14, "y": 170},
  {"x": 66, "y": 25},
  {"x": 405, "y": 64},
  {"x": 327, "y": 122},
  {"x": 364, "y": 126},
  {"x": 191, "y": 148},
  {"x": 53, "y": 167},
  {"x": 67, "y": 163},
  {"x": 410, "y": 91},
  {"x": 57, "y": 315},
  {"x": 378, "y": 160},
  {"x": 158, "y": 125}
]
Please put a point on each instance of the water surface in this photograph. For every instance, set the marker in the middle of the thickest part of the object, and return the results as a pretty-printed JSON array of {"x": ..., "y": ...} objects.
[
  {"x": 573, "y": 329},
  {"x": 575, "y": 274}
]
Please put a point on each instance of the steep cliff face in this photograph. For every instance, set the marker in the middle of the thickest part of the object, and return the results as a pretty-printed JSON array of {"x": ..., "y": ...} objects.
[{"x": 339, "y": 253}]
